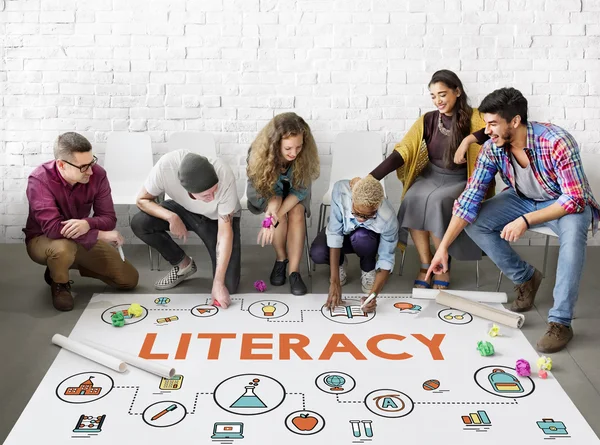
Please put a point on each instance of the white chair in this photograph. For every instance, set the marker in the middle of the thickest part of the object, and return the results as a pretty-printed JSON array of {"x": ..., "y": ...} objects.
[
  {"x": 352, "y": 154},
  {"x": 201, "y": 143},
  {"x": 128, "y": 162},
  {"x": 592, "y": 160}
]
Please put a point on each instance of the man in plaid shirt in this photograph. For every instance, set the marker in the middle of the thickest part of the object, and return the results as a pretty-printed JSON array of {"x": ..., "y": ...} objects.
[{"x": 547, "y": 186}]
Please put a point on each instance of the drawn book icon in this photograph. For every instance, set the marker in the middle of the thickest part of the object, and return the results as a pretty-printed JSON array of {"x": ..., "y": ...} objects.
[{"x": 347, "y": 311}]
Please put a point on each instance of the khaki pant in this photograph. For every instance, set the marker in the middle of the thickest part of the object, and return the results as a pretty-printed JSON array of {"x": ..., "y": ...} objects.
[{"x": 102, "y": 261}]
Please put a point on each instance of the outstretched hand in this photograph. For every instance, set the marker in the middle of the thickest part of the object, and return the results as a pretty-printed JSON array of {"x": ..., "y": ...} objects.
[{"x": 439, "y": 263}]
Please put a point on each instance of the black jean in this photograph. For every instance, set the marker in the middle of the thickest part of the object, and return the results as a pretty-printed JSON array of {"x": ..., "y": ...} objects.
[{"x": 154, "y": 232}]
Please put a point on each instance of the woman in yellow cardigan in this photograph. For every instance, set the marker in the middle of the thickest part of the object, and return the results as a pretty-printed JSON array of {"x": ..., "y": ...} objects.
[{"x": 426, "y": 163}]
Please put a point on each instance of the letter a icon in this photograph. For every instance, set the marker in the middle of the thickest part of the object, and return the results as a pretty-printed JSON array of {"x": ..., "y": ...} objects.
[{"x": 389, "y": 403}]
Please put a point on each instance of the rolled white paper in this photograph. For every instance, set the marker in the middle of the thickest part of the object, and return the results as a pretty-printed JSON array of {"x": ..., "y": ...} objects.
[
  {"x": 497, "y": 315},
  {"x": 484, "y": 297},
  {"x": 89, "y": 353},
  {"x": 138, "y": 362}
]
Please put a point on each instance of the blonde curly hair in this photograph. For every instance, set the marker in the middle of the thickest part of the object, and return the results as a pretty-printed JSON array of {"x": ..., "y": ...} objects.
[
  {"x": 265, "y": 160},
  {"x": 367, "y": 192}
]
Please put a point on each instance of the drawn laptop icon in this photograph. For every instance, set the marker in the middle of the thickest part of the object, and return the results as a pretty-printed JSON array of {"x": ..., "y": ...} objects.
[{"x": 233, "y": 430}]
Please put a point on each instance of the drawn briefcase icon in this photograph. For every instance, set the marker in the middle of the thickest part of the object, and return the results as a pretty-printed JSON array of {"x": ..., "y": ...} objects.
[
  {"x": 503, "y": 382},
  {"x": 549, "y": 426}
]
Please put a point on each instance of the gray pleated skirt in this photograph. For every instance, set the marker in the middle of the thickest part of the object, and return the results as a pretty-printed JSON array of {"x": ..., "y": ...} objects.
[{"x": 428, "y": 204}]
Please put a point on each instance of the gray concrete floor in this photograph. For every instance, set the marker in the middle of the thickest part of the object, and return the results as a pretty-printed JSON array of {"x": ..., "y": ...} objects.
[{"x": 28, "y": 320}]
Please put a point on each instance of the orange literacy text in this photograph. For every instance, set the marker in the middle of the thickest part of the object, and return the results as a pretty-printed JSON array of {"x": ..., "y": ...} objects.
[{"x": 261, "y": 346}]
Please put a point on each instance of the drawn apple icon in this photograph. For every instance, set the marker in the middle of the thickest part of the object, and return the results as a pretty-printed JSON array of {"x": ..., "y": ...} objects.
[{"x": 305, "y": 422}]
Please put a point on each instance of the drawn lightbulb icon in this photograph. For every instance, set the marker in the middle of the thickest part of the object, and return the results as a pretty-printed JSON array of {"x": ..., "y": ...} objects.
[{"x": 269, "y": 309}]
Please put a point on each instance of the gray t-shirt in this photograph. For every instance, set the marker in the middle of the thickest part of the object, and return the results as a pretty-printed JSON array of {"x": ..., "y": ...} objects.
[
  {"x": 164, "y": 178},
  {"x": 527, "y": 183}
]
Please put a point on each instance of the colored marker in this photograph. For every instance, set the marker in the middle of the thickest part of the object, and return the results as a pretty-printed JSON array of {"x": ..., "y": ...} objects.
[
  {"x": 368, "y": 300},
  {"x": 120, "y": 249},
  {"x": 164, "y": 411}
]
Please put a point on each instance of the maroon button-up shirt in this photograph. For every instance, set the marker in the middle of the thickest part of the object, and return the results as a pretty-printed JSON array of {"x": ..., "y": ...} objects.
[{"x": 53, "y": 200}]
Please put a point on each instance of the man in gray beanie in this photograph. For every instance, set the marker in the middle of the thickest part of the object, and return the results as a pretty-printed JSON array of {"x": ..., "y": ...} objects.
[{"x": 201, "y": 196}]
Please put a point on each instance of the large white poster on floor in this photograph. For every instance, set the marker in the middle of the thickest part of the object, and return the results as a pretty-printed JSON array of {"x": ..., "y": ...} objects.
[{"x": 278, "y": 369}]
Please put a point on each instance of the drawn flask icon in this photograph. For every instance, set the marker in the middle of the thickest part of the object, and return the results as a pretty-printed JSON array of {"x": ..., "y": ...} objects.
[{"x": 503, "y": 382}]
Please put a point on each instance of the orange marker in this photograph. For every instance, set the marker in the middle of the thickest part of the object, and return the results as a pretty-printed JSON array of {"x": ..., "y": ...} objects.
[{"x": 164, "y": 411}]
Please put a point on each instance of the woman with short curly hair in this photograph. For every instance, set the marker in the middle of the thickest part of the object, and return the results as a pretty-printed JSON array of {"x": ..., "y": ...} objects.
[
  {"x": 282, "y": 164},
  {"x": 363, "y": 222}
]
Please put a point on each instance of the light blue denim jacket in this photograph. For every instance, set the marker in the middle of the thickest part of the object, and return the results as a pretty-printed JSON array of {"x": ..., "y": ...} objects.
[{"x": 342, "y": 222}]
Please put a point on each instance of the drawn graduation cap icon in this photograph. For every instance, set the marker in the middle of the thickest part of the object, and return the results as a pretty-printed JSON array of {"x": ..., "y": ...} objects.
[{"x": 504, "y": 382}]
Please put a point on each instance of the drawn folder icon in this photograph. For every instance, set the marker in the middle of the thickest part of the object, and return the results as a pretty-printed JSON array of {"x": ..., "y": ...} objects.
[{"x": 503, "y": 382}]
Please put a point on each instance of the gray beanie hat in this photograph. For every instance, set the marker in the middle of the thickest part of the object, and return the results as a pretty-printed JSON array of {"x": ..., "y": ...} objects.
[{"x": 197, "y": 174}]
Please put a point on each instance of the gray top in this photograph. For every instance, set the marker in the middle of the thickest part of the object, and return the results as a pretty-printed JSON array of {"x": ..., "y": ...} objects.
[{"x": 527, "y": 184}]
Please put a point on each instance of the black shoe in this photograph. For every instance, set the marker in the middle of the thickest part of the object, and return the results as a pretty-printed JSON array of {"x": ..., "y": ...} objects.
[
  {"x": 47, "y": 277},
  {"x": 279, "y": 272},
  {"x": 297, "y": 286}
]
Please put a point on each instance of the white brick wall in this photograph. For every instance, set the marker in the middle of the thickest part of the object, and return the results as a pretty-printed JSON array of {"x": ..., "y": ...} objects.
[{"x": 227, "y": 66}]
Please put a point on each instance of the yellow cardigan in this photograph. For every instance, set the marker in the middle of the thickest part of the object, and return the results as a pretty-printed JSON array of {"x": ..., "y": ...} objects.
[{"x": 413, "y": 150}]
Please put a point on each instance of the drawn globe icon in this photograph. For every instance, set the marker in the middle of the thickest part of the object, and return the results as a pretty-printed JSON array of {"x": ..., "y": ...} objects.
[{"x": 335, "y": 382}]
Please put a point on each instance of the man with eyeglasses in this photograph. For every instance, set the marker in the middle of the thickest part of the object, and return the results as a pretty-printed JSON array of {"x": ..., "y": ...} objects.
[
  {"x": 362, "y": 221},
  {"x": 60, "y": 233}
]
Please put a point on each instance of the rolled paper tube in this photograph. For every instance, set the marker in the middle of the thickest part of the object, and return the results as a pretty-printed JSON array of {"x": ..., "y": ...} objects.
[
  {"x": 137, "y": 362},
  {"x": 502, "y": 316},
  {"x": 102, "y": 357},
  {"x": 484, "y": 297}
]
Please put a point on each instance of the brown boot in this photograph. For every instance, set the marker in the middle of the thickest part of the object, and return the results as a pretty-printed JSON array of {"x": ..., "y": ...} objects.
[
  {"x": 61, "y": 296},
  {"x": 526, "y": 293},
  {"x": 555, "y": 339}
]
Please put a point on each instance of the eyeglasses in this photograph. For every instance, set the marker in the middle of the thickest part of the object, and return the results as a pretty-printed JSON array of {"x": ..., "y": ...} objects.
[
  {"x": 363, "y": 216},
  {"x": 85, "y": 167}
]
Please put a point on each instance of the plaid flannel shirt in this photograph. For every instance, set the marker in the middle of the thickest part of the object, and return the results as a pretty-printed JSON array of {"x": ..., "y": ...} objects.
[{"x": 556, "y": 163}]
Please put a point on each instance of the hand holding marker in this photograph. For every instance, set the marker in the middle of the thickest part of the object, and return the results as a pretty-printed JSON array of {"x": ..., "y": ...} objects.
[
  {"x": 368, "y": 300},
  {"x": 164, "y": 411}
]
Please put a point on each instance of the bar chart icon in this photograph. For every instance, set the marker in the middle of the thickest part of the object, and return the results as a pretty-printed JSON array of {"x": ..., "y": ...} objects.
[{"x": 478, "y": 418}]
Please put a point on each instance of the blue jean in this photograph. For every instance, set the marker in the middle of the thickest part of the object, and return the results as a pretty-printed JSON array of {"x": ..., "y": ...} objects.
[{"x": 572, "y": 234}]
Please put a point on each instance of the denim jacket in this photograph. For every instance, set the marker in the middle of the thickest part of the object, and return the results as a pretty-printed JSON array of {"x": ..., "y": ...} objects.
[{"x": 342, "y": 222}]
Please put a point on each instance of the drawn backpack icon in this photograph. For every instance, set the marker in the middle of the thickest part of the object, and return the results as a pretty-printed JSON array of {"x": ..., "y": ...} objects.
[
  {"x": 549, "y": 426},
  {"x": 504, "y": 382}
]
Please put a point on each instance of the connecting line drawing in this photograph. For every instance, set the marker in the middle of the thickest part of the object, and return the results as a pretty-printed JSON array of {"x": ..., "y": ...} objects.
[
  {"x": 241, "y": 304},
  {"x": 168, "y": 310},
  {"x": 514, "y": 402},
  {"x": 295, "y": 321},
  {"x": 193, "y": 411},
  {"x": 137, "y": 388},
  {"x": 299, "y": 394},
  {"x": 337, "y": 397}
]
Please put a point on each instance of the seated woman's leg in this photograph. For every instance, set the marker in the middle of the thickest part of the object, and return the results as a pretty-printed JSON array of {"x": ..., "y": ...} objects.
[
  {"x": 279, "y": 272},
  {"x": 296, "y": 230},
  {"x": 422, "y": 244}
]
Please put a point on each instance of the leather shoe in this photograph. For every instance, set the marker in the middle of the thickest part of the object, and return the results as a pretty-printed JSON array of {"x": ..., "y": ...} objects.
[
  {"x": 278, "y": 273},
  {"x": 297, "y": 286}
]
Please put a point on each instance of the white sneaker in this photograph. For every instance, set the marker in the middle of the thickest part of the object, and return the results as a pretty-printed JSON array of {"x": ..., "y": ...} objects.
[
  {"x": 367, "y": 279},
  {"x": 343, "y": 275},
  {"x": 176, "y": 276}
]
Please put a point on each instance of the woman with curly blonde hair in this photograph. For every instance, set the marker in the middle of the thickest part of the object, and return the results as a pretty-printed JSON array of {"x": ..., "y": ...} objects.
[
  {"x": 363, "y": 222},
  {"x": 282, "y": 164}
]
